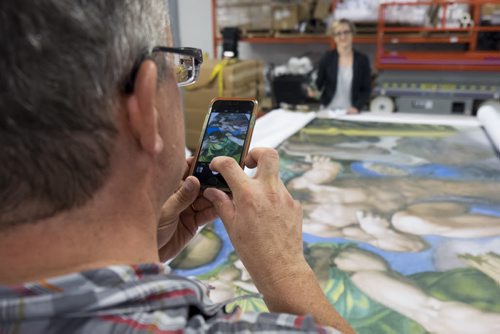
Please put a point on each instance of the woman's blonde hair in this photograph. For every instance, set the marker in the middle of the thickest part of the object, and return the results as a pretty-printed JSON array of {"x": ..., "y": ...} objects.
[{"x": 337, "y": 23}]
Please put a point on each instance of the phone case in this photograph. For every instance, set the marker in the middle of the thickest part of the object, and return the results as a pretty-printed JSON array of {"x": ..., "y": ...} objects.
[{"x": 248, "y": 137}]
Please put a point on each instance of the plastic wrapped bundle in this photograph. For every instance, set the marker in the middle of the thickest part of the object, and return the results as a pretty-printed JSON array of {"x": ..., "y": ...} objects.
[{"x": 367, "y": 11}]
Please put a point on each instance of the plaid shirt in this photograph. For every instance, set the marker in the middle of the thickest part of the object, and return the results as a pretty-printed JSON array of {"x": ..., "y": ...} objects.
[{"x": 130, "y": 299}]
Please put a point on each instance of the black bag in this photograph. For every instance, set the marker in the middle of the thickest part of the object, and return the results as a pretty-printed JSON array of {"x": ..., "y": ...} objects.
[{"x": 290, "y": 89}]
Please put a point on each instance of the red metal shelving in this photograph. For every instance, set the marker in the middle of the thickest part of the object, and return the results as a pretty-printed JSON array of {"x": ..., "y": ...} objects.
[
  {"x": 471, "y": 59},
  {"x": 292, "y": 39},
  {"x": 468, "y": 60}
]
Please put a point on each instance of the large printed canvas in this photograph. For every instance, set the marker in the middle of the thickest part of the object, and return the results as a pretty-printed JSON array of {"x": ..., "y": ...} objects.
[{"x": 401, "y": 226}]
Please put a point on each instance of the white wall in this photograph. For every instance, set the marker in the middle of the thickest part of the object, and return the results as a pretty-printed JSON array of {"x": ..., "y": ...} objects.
[{"x": 195, "y": 24}]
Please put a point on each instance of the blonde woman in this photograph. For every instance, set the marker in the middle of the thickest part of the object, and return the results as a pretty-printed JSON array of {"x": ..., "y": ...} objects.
[{"x": 344, "y": 74}]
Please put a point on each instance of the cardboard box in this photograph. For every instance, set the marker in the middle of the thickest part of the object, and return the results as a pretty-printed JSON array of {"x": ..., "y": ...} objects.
[
  {"x": 322, "y": 9},
  {"x": 201, "y": 98},
  {"x": 261, "y": 91},
  {"x": 285, "y": 17},
  {"x": 196, "y": 107},
  {"x": 305, "y": 10},
  {"x": 224, "y": 3},
  {"x": 234, "y": 74},
  {"x": 490, "y": 9},
  {"x": 266, "y": 104},
  {"x": 246, "y": 16},
  {"x": 194, "y": 119},
  {"x": 241, "y": 79}
]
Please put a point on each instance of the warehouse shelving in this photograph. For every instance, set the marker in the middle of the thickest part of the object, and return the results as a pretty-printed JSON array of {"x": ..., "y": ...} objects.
[
  {"x": 283, "y": 39},
  {"x": 470, "y": 59},
  {"x": 387, "y": 35}
]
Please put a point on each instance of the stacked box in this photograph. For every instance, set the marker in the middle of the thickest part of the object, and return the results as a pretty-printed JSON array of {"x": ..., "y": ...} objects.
[
  {"x": 305, "y": 9},
  {"x": 246, "y": 15},
  {"x": 489, "y": 10},
  {"x": 243, "y": 78},
  {"x": 240, "y": 2},
  {"x": 262, "y": 15},
  {"x": 368, "y": 10},
  {"x": 322, "y": 9},
  {"x": 285, "y": 16}
]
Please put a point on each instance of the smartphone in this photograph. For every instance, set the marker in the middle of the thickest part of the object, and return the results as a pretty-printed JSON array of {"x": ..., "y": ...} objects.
[{"x": 227, "y": 131}]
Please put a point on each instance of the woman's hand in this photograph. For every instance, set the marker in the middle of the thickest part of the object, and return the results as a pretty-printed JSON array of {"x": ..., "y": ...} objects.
[{"x": 352, "y": 110}]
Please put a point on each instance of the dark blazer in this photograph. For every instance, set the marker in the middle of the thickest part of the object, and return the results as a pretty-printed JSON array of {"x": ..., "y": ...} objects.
[{"x": 361, "y": 78}]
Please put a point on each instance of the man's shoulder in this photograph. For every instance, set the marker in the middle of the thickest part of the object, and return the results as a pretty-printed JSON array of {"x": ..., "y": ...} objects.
[
  {"x": 137, "y": 299},
  {"x": 134, "y": 299}
]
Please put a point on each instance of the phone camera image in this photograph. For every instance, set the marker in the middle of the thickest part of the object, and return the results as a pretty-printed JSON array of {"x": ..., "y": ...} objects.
[{"x": 226, "y": 134}]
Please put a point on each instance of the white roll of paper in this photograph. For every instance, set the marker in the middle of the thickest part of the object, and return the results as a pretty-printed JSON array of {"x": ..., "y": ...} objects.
[{"x": 489, "y": 117}]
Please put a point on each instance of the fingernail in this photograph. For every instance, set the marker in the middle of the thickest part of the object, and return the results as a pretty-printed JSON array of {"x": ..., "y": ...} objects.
[
  {"x": 189, "y": 185},
  {"x": 208, "y": 195},
  {"x": 210, "y": 165}
]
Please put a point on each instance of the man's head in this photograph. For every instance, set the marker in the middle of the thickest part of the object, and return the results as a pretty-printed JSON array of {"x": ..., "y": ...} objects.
[{"x": 64, "y": 65}]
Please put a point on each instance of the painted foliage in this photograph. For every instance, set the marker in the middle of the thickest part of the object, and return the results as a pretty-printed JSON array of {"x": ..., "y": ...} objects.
[{"x": 401, "y": 226}]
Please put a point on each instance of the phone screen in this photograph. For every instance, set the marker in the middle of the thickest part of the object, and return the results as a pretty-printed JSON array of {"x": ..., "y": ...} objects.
[{"x": 226, "y": 134}]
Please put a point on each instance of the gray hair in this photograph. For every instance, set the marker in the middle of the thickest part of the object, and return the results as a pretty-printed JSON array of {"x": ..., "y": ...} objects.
[{"x": 63, "y": 65}]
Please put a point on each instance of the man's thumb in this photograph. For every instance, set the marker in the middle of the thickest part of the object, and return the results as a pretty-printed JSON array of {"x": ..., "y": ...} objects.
[
  {"x": 222, "y": 203},
  {"x": 185, "y": 195}
]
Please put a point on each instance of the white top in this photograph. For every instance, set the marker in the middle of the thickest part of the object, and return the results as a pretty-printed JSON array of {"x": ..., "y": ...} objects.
[{"x": 342, "y": 98}]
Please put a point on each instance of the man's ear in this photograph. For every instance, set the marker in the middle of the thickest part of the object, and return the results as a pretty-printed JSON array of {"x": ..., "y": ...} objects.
[{"x": 141, "y": 109}]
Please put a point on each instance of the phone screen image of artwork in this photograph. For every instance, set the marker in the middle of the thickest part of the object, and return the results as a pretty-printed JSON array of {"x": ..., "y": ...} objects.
[{"x": 225, "y": 136}]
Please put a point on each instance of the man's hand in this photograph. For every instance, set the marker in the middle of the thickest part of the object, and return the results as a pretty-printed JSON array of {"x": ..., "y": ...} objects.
[
  {"x": 181, "y": 215},
  {"x": 264, "y": 224},
  {"x": 262, "y": 219}
]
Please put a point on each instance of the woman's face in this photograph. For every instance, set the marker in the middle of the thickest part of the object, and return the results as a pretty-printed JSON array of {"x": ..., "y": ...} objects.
[{"x": 343, "y": 36}]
